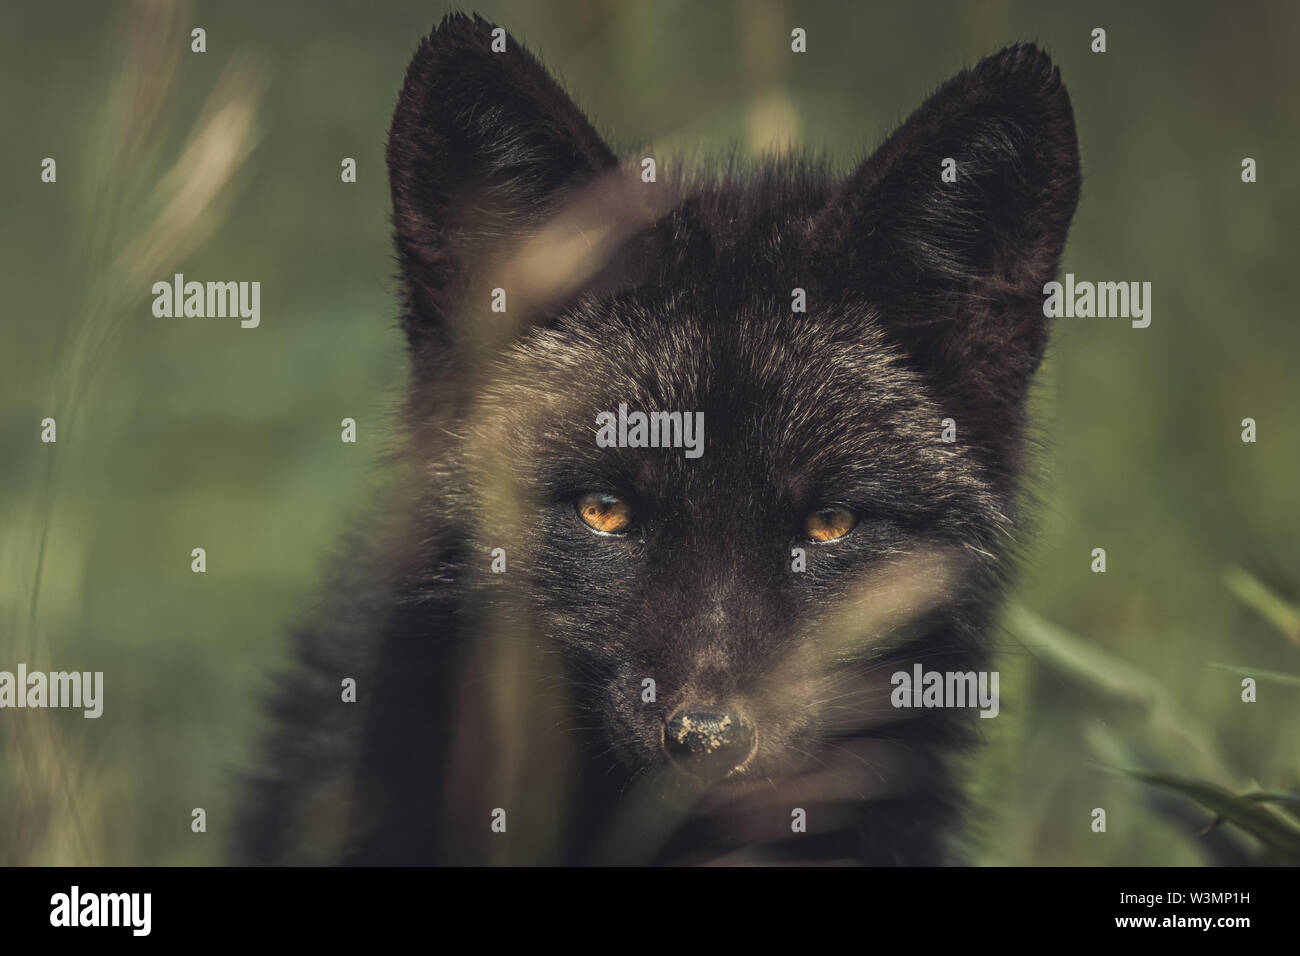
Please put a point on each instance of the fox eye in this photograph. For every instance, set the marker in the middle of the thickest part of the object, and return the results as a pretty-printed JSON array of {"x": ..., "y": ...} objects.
[
  {"x": 605, "y": 514},
  {"x": 829, "y": 524}
]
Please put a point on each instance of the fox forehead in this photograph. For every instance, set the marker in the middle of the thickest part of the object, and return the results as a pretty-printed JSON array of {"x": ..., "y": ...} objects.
[{"x": 797, "y": 408}]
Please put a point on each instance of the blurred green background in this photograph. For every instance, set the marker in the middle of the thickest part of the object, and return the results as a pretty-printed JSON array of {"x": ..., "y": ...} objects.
[{"x": 196, "y": 433}]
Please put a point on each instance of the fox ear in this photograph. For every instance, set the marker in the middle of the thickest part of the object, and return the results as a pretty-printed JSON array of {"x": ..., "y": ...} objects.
[
  {"x": 955, "y": 264},
  {"x": 484, "y": 146}
]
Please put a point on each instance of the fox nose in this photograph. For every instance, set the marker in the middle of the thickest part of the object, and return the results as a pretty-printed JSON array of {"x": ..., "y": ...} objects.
[{"x": 708, "y": 744}]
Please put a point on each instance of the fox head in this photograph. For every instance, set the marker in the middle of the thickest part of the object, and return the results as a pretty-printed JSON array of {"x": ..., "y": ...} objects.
[{"x": 857, "y": 346}]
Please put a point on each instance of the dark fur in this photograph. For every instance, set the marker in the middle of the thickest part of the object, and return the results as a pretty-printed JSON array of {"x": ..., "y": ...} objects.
[{"x": 523, "y": 690}]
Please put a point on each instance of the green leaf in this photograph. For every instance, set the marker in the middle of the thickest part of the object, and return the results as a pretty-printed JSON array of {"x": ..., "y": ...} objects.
[
  {"x": 1276, "y": 677},
  {"x": 1171, "y": 728},
  {"x": 1276, "y": 610},
  {"x": 1248, "y": 811}
]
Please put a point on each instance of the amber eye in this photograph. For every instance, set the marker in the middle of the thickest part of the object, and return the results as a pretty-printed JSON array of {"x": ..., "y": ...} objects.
[
  {"x": 829, "y": 524},
  {"x": 605, "y": 513}
]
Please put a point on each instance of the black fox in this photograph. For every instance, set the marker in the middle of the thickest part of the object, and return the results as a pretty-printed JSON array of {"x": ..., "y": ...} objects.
[{"x": 574, "y": 650}]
